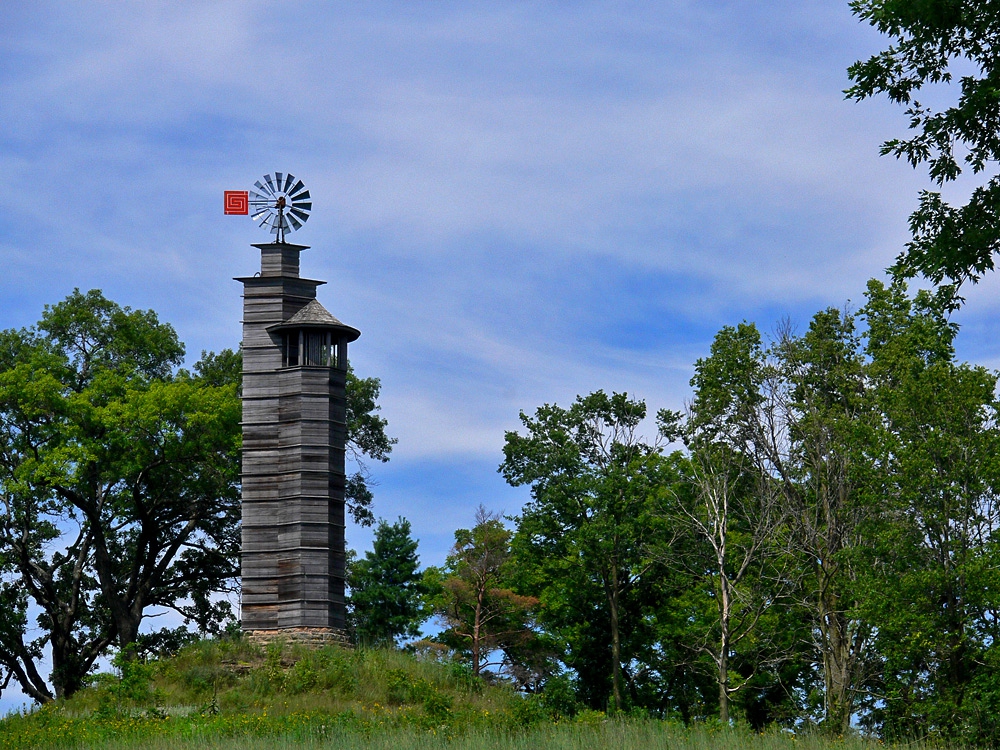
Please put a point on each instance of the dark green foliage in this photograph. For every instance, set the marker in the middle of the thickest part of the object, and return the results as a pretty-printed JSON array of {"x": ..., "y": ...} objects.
[
  {"x": 559, "y": 696},
  {"x": 824, "y": 553},
  {"x": 119, "y": 481},
  {"x": 164, "y": 642},
  {"x": 385, "y": 601},
  {"x": 931, "y": 41},
  {"x": 730, "y": 524},
  {"x": 582, "y": 539},
  {"x": 931, "y": 591},
  {"x": 224, "y": 368}
]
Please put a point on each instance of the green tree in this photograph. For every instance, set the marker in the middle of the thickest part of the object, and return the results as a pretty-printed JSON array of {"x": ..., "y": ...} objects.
[
  {"x": 366, "y": 439},
  {"x": 931, "y": 588},
  {"x": 473, "y": 597},
  {"x": 119, "y": 484},
  {"x": 821, "y": 455},
  {"x": 386, "y": 592},
  {"x": 798, "y": 420},
  {"x": 932, "y": 41},
  {"x": 735, "y": 515},
  {"x": 884, "y": 450},
  {"x": 588, "y": 524}
]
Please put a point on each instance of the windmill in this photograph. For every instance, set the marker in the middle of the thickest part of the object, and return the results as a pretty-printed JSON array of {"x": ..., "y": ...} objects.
[
  {"x": 279, "y": 202},
  {"x": 293, "y": 558}
]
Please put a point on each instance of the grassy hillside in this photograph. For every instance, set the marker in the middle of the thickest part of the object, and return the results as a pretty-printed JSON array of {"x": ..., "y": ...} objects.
[{"x": 223, "y": 694}]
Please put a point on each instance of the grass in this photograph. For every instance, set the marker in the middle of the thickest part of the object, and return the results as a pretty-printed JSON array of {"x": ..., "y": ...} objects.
[
  {"x": 215, "y": 691},
  {"x": 232, "y": 694}
]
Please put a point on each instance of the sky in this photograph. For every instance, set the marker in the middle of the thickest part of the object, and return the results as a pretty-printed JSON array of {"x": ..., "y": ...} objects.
[{"x": 514, "y": 202}]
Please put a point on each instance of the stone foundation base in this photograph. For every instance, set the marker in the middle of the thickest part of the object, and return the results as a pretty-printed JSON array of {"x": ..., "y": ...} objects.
[{"x": 314, "y": 637}]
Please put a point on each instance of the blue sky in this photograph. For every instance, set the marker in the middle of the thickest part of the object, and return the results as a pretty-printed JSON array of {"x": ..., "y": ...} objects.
[{"x": 515, "y": 202}]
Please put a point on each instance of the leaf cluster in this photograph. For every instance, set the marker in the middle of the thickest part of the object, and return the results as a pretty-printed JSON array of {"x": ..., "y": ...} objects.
[{"x": 933, "y": 41}]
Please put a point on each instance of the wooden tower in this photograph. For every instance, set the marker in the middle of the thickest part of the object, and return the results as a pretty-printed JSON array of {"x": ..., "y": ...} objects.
[{"x": 294, "y": 435}]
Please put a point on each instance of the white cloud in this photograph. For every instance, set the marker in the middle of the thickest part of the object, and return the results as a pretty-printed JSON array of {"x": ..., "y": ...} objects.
[{"x": 490, "y": 182}]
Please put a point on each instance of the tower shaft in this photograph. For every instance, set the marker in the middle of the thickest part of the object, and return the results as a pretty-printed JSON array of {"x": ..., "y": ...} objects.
[{"x": 294, "y": 439}]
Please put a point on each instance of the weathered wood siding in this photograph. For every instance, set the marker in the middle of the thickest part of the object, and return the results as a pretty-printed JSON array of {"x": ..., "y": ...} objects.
[{"x": 294, "y": 434}]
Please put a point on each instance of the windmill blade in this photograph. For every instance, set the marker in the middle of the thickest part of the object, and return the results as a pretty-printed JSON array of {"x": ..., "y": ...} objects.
[
  {"x": 301, "y": 214},
  {"x": 305, "y": 206},
  {"x": 303, "y": 196},
  {"x": 288, "y": 181},
  {"x": 270, "y": 185},
  {"x": 278, "y": 177},
  {"x": 296, "y": 224},
  {"x": 264, "y": 221},
  {"x": 260, "y": 206},
  {"x": 262, "y": 188},
  {"x": 296, "y": 188}
]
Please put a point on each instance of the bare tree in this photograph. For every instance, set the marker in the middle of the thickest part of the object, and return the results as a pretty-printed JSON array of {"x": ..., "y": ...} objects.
[{"x": 739, "y": 518}]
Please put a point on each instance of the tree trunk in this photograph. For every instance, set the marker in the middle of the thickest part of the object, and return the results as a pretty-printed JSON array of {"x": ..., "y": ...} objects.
[
  {"x": 838, "y": 656},
  {"x": 477, "y": 620},
  {"x": 616, "y": 647},
  {"x": 723, "y": 661},
  {"x": 723, "y": 687}
]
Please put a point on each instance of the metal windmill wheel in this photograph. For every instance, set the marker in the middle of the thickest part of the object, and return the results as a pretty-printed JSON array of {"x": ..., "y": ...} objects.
[{"x": 280, "y": 202}]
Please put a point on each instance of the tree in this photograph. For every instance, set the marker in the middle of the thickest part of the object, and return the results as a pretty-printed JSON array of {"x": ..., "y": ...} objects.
[
  {"x": 822, "y": 456},
  {"x": 119, "y": 484},
  {"x": 798, "y": 417},
  {"x": 736, "y": 518},
  {"x": 930, "y": 588},
  {"x": 932, "y": 40},
  {"x": 386, "y": 593},
  {"x": 474, "y": 599},
  {"x": 588, "y": 524},
  {"x": 734, "y": 510},
  {"x": 366, "y": 438}
]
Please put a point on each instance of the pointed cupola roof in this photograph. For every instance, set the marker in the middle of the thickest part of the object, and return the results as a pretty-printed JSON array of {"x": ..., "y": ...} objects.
[{"x": 314, "y": 315}]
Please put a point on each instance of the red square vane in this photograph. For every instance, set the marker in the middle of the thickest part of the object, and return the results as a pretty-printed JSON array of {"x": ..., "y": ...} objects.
[{"x": 237, "y": 202}]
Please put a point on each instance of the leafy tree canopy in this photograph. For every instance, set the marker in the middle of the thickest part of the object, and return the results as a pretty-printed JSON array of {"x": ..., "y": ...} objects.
[
  {"x": 933, "y": 41},
  {"x": 119, "y": 484},
  {"x": 585, "y": 533}
]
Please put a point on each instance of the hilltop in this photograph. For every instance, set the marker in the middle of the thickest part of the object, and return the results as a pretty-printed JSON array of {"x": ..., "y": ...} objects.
[
  {"x": 219, "y": 689},
  {"x": 234, "y": 694}
]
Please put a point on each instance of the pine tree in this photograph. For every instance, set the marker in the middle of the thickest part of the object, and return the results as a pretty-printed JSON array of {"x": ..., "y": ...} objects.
[{"x": 386, "y": 601}]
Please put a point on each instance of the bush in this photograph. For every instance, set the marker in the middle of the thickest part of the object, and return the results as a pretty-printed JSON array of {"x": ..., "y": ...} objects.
[{"x": 559, "y": 696}]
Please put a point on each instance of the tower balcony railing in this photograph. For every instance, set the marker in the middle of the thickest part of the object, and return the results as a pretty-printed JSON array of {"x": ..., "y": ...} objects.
[{"x": 313, "y": 348}]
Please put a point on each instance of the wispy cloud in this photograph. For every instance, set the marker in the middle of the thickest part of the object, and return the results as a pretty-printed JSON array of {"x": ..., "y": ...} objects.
[{"x": 515, "y": 202}]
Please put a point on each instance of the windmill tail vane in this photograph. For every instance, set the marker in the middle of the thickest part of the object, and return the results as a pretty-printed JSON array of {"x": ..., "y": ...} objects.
[{"x": 279, "y": 202}]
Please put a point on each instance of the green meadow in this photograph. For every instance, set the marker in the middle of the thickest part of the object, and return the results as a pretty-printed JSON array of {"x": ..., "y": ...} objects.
[{"x": 231, "y": 694}]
